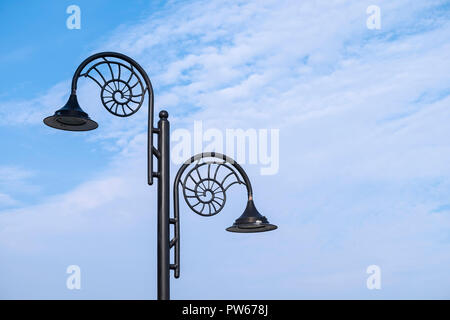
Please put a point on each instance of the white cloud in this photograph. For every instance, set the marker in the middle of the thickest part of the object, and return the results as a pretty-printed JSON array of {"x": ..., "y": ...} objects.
[
  {"x": 7, "y": 200},
  {"x": 15, "y": 181}
]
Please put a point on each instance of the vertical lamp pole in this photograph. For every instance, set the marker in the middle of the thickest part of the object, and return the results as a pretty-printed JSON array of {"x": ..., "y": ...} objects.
[
  {"x": 124, "y": 84},
  {"x": 163, "y": 207}
]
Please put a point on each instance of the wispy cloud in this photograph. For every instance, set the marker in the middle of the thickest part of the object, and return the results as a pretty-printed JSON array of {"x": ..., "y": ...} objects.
[
  {"x": 7, "y": 200},
  {"x": 14, "y": 181}
]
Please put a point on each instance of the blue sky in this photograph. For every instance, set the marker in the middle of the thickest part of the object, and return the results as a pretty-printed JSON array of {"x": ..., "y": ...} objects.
[{"x": 364, "y": 171}]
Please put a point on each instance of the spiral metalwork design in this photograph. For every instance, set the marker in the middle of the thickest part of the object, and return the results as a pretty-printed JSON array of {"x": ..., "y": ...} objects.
[
  {"x": 205, "y": 186},
  {"x": 122, "y": 89}
]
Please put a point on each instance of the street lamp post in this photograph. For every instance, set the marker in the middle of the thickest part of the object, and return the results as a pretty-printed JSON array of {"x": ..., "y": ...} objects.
[{"x": 124, "y": 84}]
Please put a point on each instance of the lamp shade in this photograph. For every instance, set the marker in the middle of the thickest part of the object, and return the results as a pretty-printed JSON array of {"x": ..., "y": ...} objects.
[
  {"x": 251, "y": 221},
  {"x": 71, "y": 117}
]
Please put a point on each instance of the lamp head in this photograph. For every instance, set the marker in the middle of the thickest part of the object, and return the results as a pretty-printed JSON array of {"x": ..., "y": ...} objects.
[
  {"x": 71, "y": 117},
  {"x": 251, "y": 221}
]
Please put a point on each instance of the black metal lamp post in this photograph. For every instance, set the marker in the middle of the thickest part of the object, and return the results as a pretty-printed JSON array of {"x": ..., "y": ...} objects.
[{"x": 124, "y": 83}]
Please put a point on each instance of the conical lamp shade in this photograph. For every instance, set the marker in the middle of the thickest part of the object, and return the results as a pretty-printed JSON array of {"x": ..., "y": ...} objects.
[
  {"x": 251, "y": 221},
  {"x": 71, "y": 117}
]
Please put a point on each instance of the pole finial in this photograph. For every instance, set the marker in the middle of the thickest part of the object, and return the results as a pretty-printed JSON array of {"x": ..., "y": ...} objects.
[{"x": 163, "y": 114}]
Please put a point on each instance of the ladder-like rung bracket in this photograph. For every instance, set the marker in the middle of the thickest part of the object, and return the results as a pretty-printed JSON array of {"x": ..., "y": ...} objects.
[
  {"x": 156, "y": 152},
  {"x": 173, "y": 266},
  {"x": 173, "y": 242},
  {"x": 156, "y": 174}
]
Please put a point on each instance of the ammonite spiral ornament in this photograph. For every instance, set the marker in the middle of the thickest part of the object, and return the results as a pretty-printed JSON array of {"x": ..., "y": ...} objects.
[
  {"x": 205, "y": 186},
  {"x": 122, "y": 90}
]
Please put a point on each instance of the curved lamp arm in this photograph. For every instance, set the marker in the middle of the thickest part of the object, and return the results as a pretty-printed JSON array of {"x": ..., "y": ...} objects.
[
  {"x": 119, "y": 85},
  {"x": 204, "y": 190}
]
